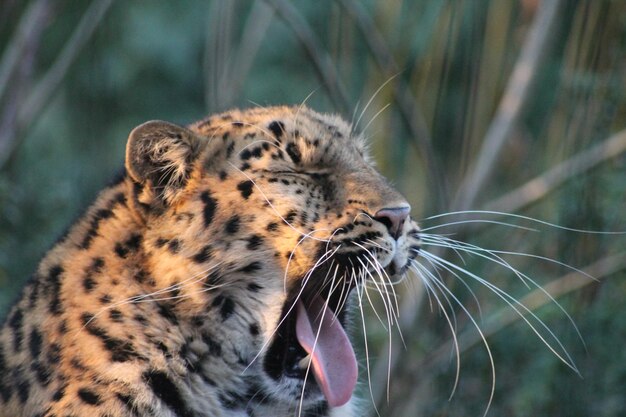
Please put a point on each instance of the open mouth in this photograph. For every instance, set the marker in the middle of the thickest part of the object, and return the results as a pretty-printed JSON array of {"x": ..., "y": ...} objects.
[{"x": 311, "y": 344}]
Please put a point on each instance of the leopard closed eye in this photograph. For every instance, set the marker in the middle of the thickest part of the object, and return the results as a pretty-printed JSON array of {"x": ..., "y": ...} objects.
[{"x": 215, "y": 278}]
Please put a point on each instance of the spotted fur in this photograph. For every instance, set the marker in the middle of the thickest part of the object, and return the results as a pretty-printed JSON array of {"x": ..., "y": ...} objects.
[{"x": 172, "y": 295}]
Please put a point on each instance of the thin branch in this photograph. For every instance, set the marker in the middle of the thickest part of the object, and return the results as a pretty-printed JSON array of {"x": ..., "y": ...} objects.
[
  {"x": 16, "y": 70},
  {"x": 225, "y": 73},
  {"x": 321, "y": 59},
  {"x": 407, "y": 103},
  {"x": 261, "y": 16},
  {"x": 510, "y": 108},
  {"x": 31, "y": 23},
  {"x": 44, "y": 90},
  {"x": 545, "y": 183}
]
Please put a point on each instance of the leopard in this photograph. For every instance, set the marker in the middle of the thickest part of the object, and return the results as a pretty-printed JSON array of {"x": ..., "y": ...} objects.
[{"x": 218, "y": 275}]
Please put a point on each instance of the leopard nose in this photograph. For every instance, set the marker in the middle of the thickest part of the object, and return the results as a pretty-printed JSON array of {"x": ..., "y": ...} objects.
[{"x": 393, "y": 218}]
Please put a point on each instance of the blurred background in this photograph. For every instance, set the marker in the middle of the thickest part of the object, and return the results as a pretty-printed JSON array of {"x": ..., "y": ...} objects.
[{"x": 515, "y": 106}]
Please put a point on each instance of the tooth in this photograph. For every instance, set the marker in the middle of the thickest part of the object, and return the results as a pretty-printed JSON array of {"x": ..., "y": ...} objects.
[{"x": 304, "y": 362}]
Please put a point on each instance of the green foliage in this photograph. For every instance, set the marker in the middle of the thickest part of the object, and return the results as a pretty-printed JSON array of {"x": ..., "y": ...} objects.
[{"x": 448, "y": 65}]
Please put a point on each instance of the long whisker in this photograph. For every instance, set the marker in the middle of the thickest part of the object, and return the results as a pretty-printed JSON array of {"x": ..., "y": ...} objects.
[
  {"x": 515, "y": 226},
  {"x": 478, "y": 251},
  {"x": 519, "y": 216},
  {"x": 149, "y": 297},
  {"x": 323, "y": 258},
  {"x": 378, "y": 90},
  {"x": 367, "y": 354},
  {"x": 512, "y": 302},
  {"x": 420, "y": 269}
]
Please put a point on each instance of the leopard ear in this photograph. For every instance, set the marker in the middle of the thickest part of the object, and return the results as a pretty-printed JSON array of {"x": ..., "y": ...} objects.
[{"x": 159, "y": 158}]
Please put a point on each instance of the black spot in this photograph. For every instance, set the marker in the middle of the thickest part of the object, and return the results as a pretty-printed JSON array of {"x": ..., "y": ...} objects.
[
  {"x": 213, "y": 278},
  {"x": 133, "y": 242},
  {"x": 127, "y": 400},
  {"x": 245, "y": 154},
  {"x": 204, "y": 254},
  {"x": 96, "y": 267},
  {"x": 232, "y": 225},
  {"x": 41, "y": 372},
  {"x": 245, "y": 187},
  {"x": 140, "y": 276},
  {"x": 167, "y": 313},
  {"x": 294, "y": 153},
  {"x": 291, "y": 216},
  {"x": 121, "y": 351},
  {"x": 121, "y": 250},
  {"x": 277, "y": 128},
  {"x": 166, "y": 391},
  {"x": 162, "y": 347},
  {"x": 54, "y": 354},
  {"x": 15, "y": 323},
  {"x": 140, "y": 319},
  {"x": 254, "y": 329},
  {"x": 254, "y": 287},
  {"x": 254, "y": 242},
  {"x": 272, "y": 227},
  {"x": 210, "y": 204},
  {"x": 89, "y": 396},
  {"x": 59, "y": 394},
  {"x": 23, "y": 389},
  {"x": 77, "y": 364},
  {"x": 215, "y": 349},
  {"x": 99, "y": 215},
  {"x": 226, "y": 305},
  {"x": 35, "y": 343},
  {"x": 230, "y": 149},
  {"x": 251, "y": 267},
  {"x": 248, "y": 153},
  {"x": 116, "y": 315},
  {"x": 89, "y": 283},
  {"x": 174, "y": 246},
  {"x": 6, "y": 391},
  {"x": 245, "y": 166},
  {"x": 63, "y": 327},
  {"x": 160, "y": 242},
  {"x": 54, "y": 286},
  {"x": 105, "y": 299},
  {"x": 223, "y": 175},
  {"x": 237, "y": 124}
]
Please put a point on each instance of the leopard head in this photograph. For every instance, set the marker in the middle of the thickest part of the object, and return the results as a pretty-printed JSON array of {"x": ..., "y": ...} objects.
[{"x": 280, "y": 220}]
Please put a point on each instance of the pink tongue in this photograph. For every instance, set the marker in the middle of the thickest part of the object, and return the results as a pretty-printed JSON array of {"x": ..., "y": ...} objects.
[{"x": 332, "y": 358}]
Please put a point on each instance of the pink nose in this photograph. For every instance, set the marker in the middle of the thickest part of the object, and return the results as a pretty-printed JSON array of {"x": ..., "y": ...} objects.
[{"x": 393, "y": 218}]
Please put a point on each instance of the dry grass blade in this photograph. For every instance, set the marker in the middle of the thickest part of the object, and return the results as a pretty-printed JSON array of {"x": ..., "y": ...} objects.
[
  {"x": 407, "y": 103},
  {"x": 16, "y": 69},
  {"x": 31, "y": 23},
  {"x": 515, "y": 97},
  {"x": 43, "y": 91},
  {"x": 319, "y": 56},
  {"x": 542, "y": 185}
]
